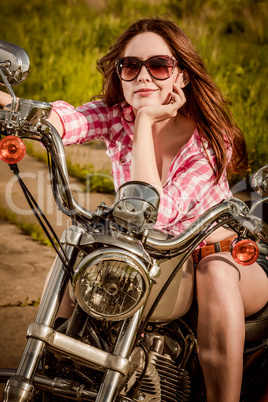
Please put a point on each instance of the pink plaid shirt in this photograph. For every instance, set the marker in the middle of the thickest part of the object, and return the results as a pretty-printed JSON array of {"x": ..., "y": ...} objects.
[{"x": 189, "y": 189}]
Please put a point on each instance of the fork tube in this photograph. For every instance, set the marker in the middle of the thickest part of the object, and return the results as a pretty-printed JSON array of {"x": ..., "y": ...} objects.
[
  {"x": 123, "y": 347},
  {"x": 46, "y": 315}
]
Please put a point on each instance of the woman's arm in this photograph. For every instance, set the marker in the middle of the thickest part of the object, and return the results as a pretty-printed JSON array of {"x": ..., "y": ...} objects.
[
  {"x": 144, "y": 165},
  {"x": 5, "y": 99},
  {"x": 55, "y": 120}
]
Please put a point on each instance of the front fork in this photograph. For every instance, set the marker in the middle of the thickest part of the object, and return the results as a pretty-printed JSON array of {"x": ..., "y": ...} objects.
[{"x": 20, "y": 387}]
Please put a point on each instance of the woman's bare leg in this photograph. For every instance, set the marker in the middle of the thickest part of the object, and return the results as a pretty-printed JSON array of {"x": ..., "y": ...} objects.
[{"x": 226, "y": 292}]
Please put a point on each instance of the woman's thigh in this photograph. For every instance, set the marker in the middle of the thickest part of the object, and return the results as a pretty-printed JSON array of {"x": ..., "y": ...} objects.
[{"x": 251, "y": 280}]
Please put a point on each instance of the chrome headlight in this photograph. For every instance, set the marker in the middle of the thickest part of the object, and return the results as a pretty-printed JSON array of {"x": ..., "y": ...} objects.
[{"x": 111, "y": 284}]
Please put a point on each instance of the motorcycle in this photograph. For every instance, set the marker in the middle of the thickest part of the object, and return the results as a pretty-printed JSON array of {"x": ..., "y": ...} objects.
[{"x": 132, "y": 333}]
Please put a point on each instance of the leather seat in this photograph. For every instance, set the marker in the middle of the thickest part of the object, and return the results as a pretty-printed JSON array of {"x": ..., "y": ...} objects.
[{"x": 257, "y": 326}]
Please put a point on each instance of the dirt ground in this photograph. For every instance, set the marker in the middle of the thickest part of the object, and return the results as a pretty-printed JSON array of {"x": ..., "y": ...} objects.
[{"x": 24, "y": 265}]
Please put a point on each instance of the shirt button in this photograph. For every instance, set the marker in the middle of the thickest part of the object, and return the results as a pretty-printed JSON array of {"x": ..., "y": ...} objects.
[{"x": 122, "y": 160}]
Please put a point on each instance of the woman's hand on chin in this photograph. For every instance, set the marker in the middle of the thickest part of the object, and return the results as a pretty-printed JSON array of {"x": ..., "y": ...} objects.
[{"x": 156, "y": 113}]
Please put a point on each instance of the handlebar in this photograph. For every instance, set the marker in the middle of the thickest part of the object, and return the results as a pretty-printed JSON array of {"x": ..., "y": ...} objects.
[
  {"x": 229, "y": 207},
  {"x": 61, "y": 156}
]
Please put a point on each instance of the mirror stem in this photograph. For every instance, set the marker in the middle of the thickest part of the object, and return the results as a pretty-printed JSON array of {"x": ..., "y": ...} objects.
[
  {"x": 11, "y": 92},
  {"x": 254, "y": 206}
]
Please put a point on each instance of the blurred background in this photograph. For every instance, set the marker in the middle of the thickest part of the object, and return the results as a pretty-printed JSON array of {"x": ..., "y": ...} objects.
[{"x": 64, "y": 38}]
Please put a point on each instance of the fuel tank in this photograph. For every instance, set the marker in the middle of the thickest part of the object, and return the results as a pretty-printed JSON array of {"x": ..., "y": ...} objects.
[{"x": 178, "y": 297}]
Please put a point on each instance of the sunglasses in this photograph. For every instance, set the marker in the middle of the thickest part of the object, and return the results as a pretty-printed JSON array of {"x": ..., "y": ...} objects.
[{"x": 159, "y": 67}]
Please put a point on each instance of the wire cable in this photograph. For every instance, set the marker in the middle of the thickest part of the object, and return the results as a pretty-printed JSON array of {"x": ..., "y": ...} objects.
[{"x": 43, "y": 221}]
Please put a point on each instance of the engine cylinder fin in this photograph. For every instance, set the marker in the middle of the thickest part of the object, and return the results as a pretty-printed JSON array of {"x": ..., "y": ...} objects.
[
  {"x": 151, "y": 383},
  {"x": 168, "y": 395},
  {"x": 166, "y": 398},
  {"x": 172, "y": 377},
  {"x": 184, "y": 386},
  {"x": 172, "y": 371},
  {"x": 163, "y": 381},
  {"x": 175, "y": 383}
]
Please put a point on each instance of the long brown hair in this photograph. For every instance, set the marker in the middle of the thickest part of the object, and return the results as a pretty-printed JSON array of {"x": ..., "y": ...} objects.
[{"x": 205, "y": 104}]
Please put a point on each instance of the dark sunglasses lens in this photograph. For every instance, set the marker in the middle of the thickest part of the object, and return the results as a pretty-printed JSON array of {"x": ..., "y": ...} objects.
[
  {"x": 128, "y": 68},
  {"x": 161, "y": 67}
]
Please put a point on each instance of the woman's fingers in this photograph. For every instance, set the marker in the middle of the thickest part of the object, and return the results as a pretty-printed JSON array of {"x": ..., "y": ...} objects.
[
  {"x": 178, "y": 85},
  {"x": 177, "y": 97},
  {"x": 175, "y": 100}
]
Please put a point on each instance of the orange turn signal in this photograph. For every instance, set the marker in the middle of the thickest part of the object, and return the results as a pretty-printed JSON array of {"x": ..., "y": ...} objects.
[
  {"x": 12, "y": 149},
  {"x": 244, "y": 252}
]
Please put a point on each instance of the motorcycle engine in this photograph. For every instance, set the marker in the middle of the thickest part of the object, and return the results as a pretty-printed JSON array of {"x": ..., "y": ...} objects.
[{"x": 161, "y": 379}]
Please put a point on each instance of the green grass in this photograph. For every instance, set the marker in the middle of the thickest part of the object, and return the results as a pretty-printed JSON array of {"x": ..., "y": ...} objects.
[
  {"x": 64, "y": 39},
  {"x": 26, "y": 303}
]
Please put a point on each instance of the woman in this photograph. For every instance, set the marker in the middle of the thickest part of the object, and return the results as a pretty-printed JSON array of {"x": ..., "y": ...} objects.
[{"x": 164, "y": 122}]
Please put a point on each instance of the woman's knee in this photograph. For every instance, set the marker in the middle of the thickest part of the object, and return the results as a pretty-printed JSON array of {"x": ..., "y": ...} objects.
[
  {"x": 218, "y": 273},
  {"x": 217, "y": 267},
  {"x": 216, "y": 279}
]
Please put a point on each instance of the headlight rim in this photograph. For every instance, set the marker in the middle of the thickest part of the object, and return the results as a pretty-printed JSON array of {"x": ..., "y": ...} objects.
[{"x": 105, "y": 254}]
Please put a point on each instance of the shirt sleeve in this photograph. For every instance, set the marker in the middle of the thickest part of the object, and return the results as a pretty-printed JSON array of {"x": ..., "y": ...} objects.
[
  {"x": 189, "y": 193},
  {"x": 85, "y": 123}
]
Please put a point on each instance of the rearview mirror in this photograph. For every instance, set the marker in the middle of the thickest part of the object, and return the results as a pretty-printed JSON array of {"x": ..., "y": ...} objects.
[
  {"x": 260, "y": 181},
  {"x": 14, "y": 63}
]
